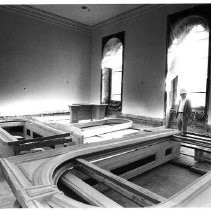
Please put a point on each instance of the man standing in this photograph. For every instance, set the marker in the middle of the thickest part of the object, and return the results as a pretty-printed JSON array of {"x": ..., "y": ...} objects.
[{"x": 183, "y": 112}]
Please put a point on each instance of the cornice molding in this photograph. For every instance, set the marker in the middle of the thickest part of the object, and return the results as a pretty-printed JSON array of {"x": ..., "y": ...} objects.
[
  {"x": 48, "y": 17},
  {"x": 128, "y": 16},
  {"x": 55, "y": 19}
]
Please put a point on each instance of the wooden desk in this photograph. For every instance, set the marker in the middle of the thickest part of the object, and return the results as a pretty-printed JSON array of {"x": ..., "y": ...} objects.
[{"x": 86, "y": 111}]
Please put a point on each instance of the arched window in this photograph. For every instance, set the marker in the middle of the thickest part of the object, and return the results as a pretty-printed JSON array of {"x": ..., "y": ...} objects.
[
  {"x": 187, "y": 61},
  {"x": 111, "y": 65}
]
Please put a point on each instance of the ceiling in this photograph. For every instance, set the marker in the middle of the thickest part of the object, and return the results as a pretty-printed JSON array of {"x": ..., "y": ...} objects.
[{"x": 90, "y": 14}]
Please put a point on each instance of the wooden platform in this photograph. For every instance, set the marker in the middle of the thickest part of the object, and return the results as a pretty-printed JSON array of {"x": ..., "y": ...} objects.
[
  {"x": 96, "y": 172},
  {"x": 34, "y": 186}
]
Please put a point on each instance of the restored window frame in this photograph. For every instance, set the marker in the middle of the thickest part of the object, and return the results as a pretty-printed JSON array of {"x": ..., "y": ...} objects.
[
  {"x": 121, "y": 37},
  {"x": 204, "y": 12}
]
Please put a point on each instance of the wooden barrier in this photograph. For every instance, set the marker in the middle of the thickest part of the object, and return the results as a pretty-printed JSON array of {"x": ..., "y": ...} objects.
[{"x": 33, "y": 135}]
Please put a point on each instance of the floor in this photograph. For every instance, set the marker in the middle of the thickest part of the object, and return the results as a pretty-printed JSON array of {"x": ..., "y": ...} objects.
[
  {"x": 166, "y": 180},
  {"x": 7, "y": 198}
]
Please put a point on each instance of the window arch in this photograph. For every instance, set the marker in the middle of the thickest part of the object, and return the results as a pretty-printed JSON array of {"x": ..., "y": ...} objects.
[
  {"x": 112, "y": 71},
  {"x": 187, "y": 61}
]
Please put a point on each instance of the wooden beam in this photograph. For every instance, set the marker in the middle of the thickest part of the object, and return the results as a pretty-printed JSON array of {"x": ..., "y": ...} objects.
[
  {"x": 147, "y": 195},
  {"x": 189, "y": 167},
  {"x": 198, "y": 134},
  {"x": 200, "y": 148},
  {"x": 198, "y": 170},
  {"x": 206, "y": 139},
  {"x": 112, "y": 151},
  {"x": 192, "y": 141},
  {"x": 11, "y": 124},
  {"x": 6, "y": 138},
  {"x": 105, "y": 184},
  {"x": 18, "y": 142},
  {"x": 194, "y": 138},
  {"x": 87, "y": 192},
  {"x": 31, "y": 145}
]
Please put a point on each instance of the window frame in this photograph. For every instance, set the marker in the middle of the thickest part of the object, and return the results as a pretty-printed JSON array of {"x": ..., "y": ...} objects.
[
  {"x": 121, "y": 37},
  {"x": 204, "y": 12}
]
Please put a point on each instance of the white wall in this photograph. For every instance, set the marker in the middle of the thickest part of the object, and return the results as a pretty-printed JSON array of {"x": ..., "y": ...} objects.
[
  {"x": 43, "y": 66},
  {"x": 144, "y": 61}
]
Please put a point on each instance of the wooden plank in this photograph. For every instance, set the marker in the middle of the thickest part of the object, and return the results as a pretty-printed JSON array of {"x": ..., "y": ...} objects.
[
  {"x": 181, "y": 163},
  {"x": 198, "y": 170},
  {"x": 207, "y": 139},
  {"x": 189, "y": 167},
  {"x": 39, "y": 139},
  {"x": 60, "y": 201},
  {"x": 112, "y": 151},
  {"x": 200, "y": 148},
  {"x": 37, "y": 125},
  {"x": 105, "y": 184},
  {"x": 127, "y": 158},
  {"x": 142, "y": 192},
  {"x": 5, "y": 137},
  {"x": 11, "y": 124},
  {"x": 87, "y": 192},
  {"x": 41, "y": 144},
  {"x": 198, "y": 158},
  {"x": 192, "y": 141},
  {"x": 123, "y": 158},
  {"x": 198, "y": 134},
  {"x": 203, "y": 140}
]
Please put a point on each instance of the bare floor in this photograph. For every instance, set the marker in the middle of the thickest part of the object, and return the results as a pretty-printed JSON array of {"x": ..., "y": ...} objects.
[
  {"x": 166, "y": 180},
  {"x": 7, "y": 198}
]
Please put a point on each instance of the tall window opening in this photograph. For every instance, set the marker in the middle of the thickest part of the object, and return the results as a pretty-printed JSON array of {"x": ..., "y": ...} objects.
[
  {"x": 112, "y": 66},
  {"x": 187, "y": 62}
]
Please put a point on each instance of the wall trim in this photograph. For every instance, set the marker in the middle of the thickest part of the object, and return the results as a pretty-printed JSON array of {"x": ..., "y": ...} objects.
[
  {"x": 55, "y": 19},
  {"x": 128, "y": 16},
  {"x": 48, "y": 17}
]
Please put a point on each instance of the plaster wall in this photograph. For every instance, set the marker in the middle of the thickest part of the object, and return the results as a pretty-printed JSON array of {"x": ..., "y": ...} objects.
[
  {"x": 43, "y": 66},
  {"x": 144, "y": 61}
]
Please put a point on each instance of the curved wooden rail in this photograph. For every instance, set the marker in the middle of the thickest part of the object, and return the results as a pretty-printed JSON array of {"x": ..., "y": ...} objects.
[
  {"x": 44, "y": 175},
  {"x": 41, "y": 190}
]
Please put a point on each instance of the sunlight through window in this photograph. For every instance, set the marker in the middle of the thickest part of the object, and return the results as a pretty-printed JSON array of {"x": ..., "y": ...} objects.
[
  {"x": 112, "y": 59},
  {"x": 188, "y": 60}
]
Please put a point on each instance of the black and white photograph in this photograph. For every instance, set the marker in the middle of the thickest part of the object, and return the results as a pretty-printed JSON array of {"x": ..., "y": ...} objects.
[{"x": 105, "y": 104}]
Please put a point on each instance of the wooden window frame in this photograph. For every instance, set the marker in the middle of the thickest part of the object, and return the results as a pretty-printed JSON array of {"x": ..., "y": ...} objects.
[
  {"x": 121, "y": 37},
  {"x": 204, "y": 12}
]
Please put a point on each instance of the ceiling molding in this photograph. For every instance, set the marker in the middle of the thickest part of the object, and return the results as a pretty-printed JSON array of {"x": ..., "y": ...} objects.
[
  {"x": 55, "y": 19},
  {"x": 48, "y": 17},
  {"x": 128, "y": 16}
]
